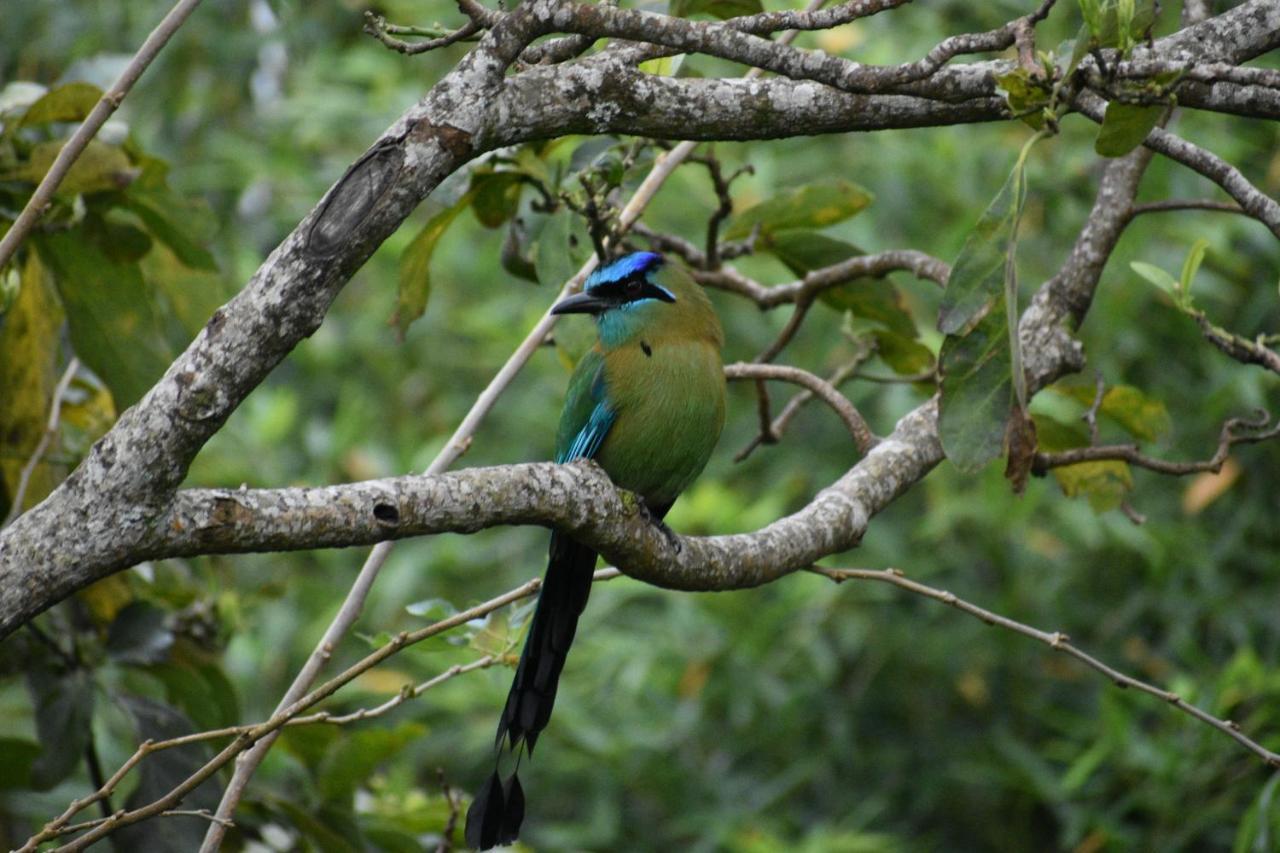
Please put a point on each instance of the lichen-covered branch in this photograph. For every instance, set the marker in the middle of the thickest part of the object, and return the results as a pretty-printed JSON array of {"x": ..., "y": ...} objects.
[{"x": 108, "y": 513}]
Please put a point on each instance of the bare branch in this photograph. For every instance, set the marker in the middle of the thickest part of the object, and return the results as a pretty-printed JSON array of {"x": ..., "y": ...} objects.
[
  {"x": 825, "y": 391},
  {"x": 1234, "y": 431},
  {"x": 1057, "y": 641},
  {"x": 1241, "y": 349},
  {"x": 772, "y": 431},
  {"x": 923, "y": 266},
  {"x": 377, "y": 26},
  {"x": 1256, "y": 203},
  {"x": 248, "y": 735},
  {"x": 1186, "y": 204}
]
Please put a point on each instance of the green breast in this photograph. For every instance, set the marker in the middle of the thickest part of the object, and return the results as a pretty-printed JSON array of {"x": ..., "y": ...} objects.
[{"x": 670, "y": 410}]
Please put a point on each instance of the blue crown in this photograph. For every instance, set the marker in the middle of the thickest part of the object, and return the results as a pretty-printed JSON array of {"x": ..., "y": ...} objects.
[{"x": 626, "y": 266}]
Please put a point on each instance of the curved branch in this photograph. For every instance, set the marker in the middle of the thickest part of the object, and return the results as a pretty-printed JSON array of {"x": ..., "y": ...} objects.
[
  {"x": 923, "y": 266},
  {"x": 862, "y": 435},
  {"x": 578, "y": 498}
]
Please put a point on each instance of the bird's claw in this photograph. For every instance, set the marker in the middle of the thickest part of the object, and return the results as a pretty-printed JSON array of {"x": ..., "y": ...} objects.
[{"x": 672, "y": 537}]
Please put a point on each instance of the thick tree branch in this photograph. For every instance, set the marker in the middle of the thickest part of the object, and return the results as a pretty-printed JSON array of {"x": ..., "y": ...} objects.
[{"x": 98, "y": 517}]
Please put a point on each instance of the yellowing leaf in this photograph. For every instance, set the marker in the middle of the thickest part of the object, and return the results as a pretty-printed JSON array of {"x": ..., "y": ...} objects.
[
  {"x": 106, "y": 598},
  {"x": 99, "y": 167},
  {"x": 28, "y": 373},
  {"x": 809, "y": 206},
  {"x": 1104, "y": 483},
  {"x": 1206, "y": 488},
  {"x": 384, "y": 681},
  {"x": 840, "y": 39}
]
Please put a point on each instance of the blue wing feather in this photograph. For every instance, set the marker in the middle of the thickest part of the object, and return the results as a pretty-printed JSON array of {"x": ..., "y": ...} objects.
[
  {"x": 590, "y": 437},
  {"x": 587, "y": 415}
]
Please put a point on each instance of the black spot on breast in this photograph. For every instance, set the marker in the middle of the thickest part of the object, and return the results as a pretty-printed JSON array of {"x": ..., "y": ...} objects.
[{"x": 644, "y": 345}]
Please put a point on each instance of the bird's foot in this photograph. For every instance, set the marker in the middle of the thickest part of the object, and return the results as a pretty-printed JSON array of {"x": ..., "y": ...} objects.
[{"x": 672, "y": 537}]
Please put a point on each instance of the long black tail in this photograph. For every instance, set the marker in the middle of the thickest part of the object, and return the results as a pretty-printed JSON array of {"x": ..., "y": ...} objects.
[{"x": 498, "y": 809}]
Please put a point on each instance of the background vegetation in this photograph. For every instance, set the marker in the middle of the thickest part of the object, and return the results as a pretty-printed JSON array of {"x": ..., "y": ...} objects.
[{"x": 800, "y": 715}]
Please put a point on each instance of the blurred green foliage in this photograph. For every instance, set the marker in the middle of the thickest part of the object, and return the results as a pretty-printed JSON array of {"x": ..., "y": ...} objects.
[{"x": 798, "y": 716}]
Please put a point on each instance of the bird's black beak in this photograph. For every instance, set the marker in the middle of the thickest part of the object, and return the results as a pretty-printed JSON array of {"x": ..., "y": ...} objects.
[{"x": 580, "y": 303}]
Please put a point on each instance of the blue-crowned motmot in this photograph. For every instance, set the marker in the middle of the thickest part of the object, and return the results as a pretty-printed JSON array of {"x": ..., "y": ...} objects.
[{"x": 647, "y": 404}]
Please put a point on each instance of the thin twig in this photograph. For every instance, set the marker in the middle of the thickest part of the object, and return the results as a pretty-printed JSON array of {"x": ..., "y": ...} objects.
[
  {"x": 923, "y": 266},
  {"x": 862, "y": 435},
  {"x": 1252, "y": 200},
  {"x": 1090, "y": 417},
  {"x": 247, "y": 735},
  {"x": 50, "y": 433},
  {"x": 377, "y": 26},
  {"x": 1234, "y": 431},
  {"x": 788, "y": 332},
  {"x": 1241, "y": 349},
  {"x": 1186, "y": 204},
  {"x": 778, "y": 426},
  {"x": 1055, "y": 640},
  {"x": 41, "y": 199},
  {"x": 455, "y": 808}
]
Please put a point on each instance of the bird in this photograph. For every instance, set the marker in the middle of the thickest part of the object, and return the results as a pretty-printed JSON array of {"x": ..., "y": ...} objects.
[{"x": 646, "y": 403}]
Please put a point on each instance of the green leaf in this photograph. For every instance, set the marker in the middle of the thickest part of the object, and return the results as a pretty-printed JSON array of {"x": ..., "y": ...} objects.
[
  {"x": 667, "y": 66},
  {"x": 161, "y": 773},
  {"x": 1191, "y": 266},
  {"x": 16, "y": 759},
  {"x": 99, "y": 168},
  {"x": 1027, "y": 96},
  {"x": 198, "y": 689},
  {"x": 809, "y": 206},
  {"x": 328, "y": 831},
  {"x": 111, "y": 314},
  {"x": 138, "y": 635},
  {"x": 977, "y": 391},
  {"x": 722, "y": 9},
  {"x": 354, "y": 758},
  {"x": 494, "y": 636},
  {"x": 1053, "y": 435},
  {"x": 121, "y": 242},
  {"x": 977, "y": 277},
  {"x": 984, "y": 284},
  {"x": 1079, "y": 50},
  {"x": 63, "y": 711},
  {"x": 431, "y": 609},
  {"x": 561, "y": 248},
  {"x": 1158, "y": 277},
  {"x": 72, "y": 102},
  {"x": 497, "y": 196},
  {"x": 869, "y": 298},
  {"x": 1124, "y": 127},
  {"x": 415, "y": 265},
  {"x": 905, "y": 356},
  {"x": 181, "y": 225}
]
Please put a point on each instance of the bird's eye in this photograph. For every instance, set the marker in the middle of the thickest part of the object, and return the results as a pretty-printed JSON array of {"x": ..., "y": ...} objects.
[{"x": 633, "y": 287}]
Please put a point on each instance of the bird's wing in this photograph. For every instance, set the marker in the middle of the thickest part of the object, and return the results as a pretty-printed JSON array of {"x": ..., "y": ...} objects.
[{"x": 587, "y": 414}]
